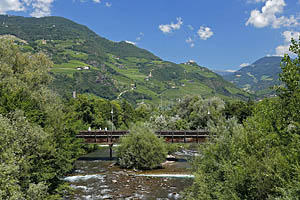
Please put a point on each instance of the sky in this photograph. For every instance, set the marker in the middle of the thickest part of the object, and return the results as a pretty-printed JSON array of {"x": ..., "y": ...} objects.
[{"x": 218, "y": 34}]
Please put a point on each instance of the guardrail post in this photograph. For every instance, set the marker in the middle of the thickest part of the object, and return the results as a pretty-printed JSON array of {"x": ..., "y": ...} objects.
[
  {"x": 106, "y": 136},
  {"x": 172, "y": 137},
  {"x": 111, "y": 136},
  {"x": 184, "y": 137}
]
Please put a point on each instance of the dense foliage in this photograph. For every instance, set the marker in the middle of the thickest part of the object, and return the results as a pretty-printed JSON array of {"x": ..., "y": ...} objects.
[
  {"x": 141, "y": 149},
  {"x": 37, "y": 145},
  {"x": 91, "y": 111},
  {"x": 259, "y": 159},
  {"x": 239, "y": 109}
]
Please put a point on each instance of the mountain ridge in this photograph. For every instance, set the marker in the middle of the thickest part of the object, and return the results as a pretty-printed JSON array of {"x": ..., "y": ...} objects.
[
  {"x": 88, "y": 63},
  {"x": 258, "y": 77}
]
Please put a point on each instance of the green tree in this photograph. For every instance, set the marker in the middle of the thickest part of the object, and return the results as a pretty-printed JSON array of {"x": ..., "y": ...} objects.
[
  {"x": 141, "y": 149},
  {"x": 259, "y": 159},
  {"x": 198, "y": 111},
  {"x": 239, "y": 109},
  {"x": 128, "y": 113},
  {"x": 143, "y": 112},
  {"x": 43, "y": 147}
]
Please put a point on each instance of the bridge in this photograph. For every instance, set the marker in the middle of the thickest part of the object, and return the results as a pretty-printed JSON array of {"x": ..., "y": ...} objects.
[{"x": 170, "y": 136}]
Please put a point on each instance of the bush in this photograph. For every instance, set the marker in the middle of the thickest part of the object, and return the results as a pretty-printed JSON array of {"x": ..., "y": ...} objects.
[
  {"x": 141, "y": 149},
  {"x": 172, "y": 148}
]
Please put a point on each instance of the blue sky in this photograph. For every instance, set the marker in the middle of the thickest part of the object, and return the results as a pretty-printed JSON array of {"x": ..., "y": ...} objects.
[{"x": 216, "y": 34}]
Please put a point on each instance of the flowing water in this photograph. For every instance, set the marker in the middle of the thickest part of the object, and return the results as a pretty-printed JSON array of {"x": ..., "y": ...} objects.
[{"x": 97, "y": 177}]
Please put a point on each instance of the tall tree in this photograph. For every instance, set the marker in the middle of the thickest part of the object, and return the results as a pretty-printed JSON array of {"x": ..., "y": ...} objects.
[
  {"x": 259, "y": 159},
  {"x": 33, "y": 126}
]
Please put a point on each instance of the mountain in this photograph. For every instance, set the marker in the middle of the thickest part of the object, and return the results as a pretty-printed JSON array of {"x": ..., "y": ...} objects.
[
  {"x": 87, "y": 63},
  {"x": 258, "y": 77}
]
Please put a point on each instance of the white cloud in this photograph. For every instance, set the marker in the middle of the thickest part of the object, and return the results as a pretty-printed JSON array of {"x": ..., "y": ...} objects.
[
  {"x": 40, "y": 8},
  {"x": 168, "y": 28},
  {"x": 244, "y": 64},
  {"x": 268, "y": 15},
  {"x": 10, "y": 5},
  {"x": 288, "y": 35},
  {"x": 284, "y": 48},
  {"x": 130, "y": 42},
  {"x": 37, "y": 8},
  {"x": 204, "y": 33},
  {"x": 192, "y": 45}
]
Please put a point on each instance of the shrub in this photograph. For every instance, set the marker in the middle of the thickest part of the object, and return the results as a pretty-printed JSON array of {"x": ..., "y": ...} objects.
[
  {"x": 172, "y": 148},
  {"x": 141, "y": 149}
]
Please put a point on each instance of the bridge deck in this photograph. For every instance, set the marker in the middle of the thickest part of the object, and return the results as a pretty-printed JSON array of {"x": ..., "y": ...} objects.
[{"x": 169, "y": 135}]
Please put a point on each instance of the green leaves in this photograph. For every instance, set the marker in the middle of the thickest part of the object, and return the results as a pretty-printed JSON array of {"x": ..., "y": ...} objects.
[
  {"x": 259, "y": 159},
  {"x": 141, "y": 149},
  {"x": 37, "y": 145}
]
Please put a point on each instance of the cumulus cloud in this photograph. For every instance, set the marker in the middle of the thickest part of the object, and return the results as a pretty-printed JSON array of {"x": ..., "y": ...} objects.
[
  {"x": 37, "y": 8},
  {"x": 10, "y": 5},
  {"x": 288, "y": 35},
  {"x": 40, "y": 8},
  {"x": 268, "y": 15},
  {"x": 244, "y": 64},
  {"x": 284, "y": 48},
  {"x": 204, "y": 33},
  {"x": 168, "y": 28}
]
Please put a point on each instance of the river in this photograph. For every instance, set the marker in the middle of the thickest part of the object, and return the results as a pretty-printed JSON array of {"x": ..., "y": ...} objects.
[{"x": 97, "y": 177}]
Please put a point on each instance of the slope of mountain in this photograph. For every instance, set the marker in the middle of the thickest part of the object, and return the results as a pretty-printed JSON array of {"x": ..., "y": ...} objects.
[
  {"x": 88, "y": 63},
  {"x": 258, "y": 77}
]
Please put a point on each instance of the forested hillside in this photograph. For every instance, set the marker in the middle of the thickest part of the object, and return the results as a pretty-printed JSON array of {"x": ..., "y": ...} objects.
[
  {"x": 259, "y": 77},
  {"x": 87, "y": 63}
]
